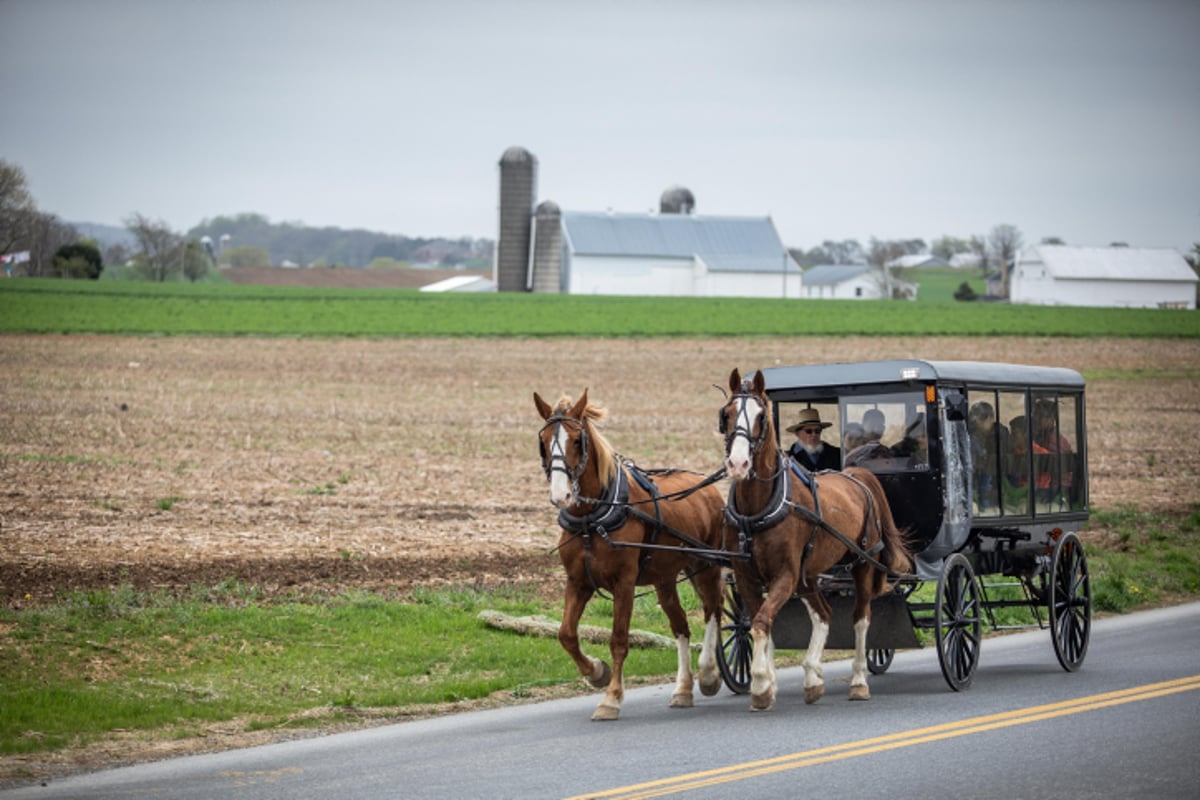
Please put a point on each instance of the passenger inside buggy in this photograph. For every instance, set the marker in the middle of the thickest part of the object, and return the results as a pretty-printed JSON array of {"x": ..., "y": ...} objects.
[{"x": 894, "y": 434}]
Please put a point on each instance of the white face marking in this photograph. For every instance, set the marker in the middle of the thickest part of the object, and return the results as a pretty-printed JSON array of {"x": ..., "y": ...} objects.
[
  {"x": 739, "y": 459},
  {"x": 561, "y": 494}
]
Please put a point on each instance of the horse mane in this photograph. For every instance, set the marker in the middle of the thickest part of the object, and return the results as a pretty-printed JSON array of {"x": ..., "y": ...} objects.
[{"x": 602, "y": 451}]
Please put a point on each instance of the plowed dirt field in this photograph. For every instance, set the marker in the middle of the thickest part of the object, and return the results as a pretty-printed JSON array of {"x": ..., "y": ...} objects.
[{"x": 329, "y": 464}]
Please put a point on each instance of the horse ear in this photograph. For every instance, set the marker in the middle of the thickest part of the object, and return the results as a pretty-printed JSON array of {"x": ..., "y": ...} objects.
[
  {"x": 542, "y": 406},
  {"x": 735, "y": 381},
  {"x": 580, "y": 405},
  {"x": 760, "y": 383}
]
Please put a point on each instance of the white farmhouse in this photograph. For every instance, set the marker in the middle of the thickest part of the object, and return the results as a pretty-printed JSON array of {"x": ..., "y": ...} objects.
[
  {"x": 1102, "y": 276},
  {"x": 853, "y": 282}
]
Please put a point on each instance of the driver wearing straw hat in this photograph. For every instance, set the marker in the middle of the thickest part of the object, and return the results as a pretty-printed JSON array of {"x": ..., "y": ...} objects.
[{"x": 809, "y": 451}]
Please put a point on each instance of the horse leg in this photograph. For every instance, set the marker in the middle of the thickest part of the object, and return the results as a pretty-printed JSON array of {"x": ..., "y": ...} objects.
[
  {"x": 575, "y": 601},
  {"x": 763, "y": 680},
  {"x": 708, "y": 586},
  {"x": 668, "y": 601},
  {"x": 618, "y": 647},
  {"x": 819, "y": 614},
  {"x": 863, "y": 579}
]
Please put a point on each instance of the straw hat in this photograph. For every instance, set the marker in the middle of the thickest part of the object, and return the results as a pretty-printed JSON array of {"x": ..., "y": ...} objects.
[{"x": 809, "y": 416}]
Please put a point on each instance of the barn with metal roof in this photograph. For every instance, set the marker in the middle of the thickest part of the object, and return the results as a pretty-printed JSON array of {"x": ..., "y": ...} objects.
[
  {"x": 1132, "y": 277},
  {"x": 674, "y": 252}
]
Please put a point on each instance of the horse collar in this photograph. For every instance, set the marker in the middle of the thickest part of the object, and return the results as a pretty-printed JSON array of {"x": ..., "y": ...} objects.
[
  {"x": 610, "y": 511},
  {"x": 768, "y": 516}
]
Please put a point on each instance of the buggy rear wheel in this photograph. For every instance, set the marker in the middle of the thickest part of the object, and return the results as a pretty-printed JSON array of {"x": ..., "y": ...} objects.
[
  {"x": 958, "y": 623},
  {"x": 1070, "y": 602},
  {"x": 737, "y": 646},
  {"x": 879, "y": 659}
]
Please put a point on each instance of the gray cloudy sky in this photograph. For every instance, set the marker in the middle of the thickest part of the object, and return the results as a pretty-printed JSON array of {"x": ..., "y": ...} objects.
[{"x": 1071, "y": 118}]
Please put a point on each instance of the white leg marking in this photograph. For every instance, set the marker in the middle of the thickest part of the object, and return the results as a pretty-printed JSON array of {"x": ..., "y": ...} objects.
[
  {"x": 710, "y": 677},
  {"x": 859, "y": 667},
  {"x": 814, "y": 672}
]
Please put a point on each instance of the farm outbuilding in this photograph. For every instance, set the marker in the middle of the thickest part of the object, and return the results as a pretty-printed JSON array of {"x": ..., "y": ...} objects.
[
  {"x": 1103, "y": 276},
  {"x": 672, "y": 252},
  {"x": 854, "y": 282}
]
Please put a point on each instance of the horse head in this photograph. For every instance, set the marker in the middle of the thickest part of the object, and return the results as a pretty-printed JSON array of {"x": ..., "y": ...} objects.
[
  {"x": 577, "y": 459},
  {"x": 745, "y": 420}
]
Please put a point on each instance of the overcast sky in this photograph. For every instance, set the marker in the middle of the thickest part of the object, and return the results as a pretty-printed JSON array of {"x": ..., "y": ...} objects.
[{"x": 1078, "y": 118}]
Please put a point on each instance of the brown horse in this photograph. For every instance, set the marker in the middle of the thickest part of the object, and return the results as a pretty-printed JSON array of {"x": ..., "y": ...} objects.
[
  {"x": 621, "y": 529},
  {"x": 793, "y": 533}
]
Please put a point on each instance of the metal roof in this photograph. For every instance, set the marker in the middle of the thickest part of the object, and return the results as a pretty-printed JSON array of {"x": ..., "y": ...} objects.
[
  {"x": 1111, "y": 263},
  {"x": 734, "y": 244},
  {"x": 833, "y": 274},
  {"x": 815, "y": 376}
]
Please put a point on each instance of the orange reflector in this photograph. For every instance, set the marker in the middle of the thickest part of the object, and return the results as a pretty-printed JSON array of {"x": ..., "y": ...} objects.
[{"x": 930, "y": 393}]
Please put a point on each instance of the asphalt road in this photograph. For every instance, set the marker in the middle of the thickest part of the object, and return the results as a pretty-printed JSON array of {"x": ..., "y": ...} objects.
[{"x": 1126, "y": 724}]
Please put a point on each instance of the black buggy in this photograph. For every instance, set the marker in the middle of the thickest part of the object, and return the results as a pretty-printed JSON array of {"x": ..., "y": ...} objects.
[{"x": 985, "y": 464}]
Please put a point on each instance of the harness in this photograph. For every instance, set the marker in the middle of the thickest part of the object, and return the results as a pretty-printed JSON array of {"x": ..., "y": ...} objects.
[
  {"x": 780, "y": 505},
  {"x": 611, "y": 511}
]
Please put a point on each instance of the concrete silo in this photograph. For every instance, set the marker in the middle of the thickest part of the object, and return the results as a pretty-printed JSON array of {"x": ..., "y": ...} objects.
[
  {"x": 518, "y": 189},
  {"x": 547, "y": 249}
]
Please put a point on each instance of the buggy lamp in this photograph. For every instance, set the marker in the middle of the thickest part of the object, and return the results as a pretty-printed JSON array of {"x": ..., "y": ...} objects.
[{"x": 910, "y": 373}]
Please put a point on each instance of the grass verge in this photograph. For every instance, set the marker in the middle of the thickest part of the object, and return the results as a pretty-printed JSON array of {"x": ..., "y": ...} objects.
[{"x": 117, "y": 660}]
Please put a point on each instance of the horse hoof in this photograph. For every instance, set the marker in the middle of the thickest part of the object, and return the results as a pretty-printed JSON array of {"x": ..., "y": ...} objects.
[
  {"x": 604, "y": 678},
  {"x": 709, "y": 689},
  {"x": 813, "y": 693},
  {"x": 680, "y": 700},
  {"x": 605, "y": 713},
  {"x": 860, "y": 692},
  {"x": 762, "y": 702}
]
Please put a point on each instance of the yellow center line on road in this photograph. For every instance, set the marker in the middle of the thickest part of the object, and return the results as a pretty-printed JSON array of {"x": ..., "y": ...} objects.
[{"x": 893, "y": 741}]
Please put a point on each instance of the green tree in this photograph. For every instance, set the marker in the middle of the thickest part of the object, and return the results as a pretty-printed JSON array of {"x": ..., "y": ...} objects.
[
  {"x": 79, "y": 260},
  {"x": 246, "y": 256},
  {"x": 196, "y": 262}
]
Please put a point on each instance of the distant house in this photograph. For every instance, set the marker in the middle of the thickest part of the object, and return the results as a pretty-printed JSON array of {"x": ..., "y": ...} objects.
[
  {"x": 966, "y": 261},
  {"x": 1103, "y": 276},
  {"x": 674, "y": 254},
  {"x": 917, "y": 260},
  {"x": 851, "y": 282}
]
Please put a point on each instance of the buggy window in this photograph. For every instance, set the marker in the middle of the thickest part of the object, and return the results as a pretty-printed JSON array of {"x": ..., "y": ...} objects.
[{"x": 893, "y": 431}]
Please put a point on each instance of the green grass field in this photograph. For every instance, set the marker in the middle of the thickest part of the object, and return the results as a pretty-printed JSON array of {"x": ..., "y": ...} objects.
[{"x": 51, "y": 306}]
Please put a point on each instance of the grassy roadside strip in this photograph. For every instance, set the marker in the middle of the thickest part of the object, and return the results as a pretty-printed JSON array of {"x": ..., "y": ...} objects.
[
  {"x": 46, "y": 306},
  {"x": 169, "y": 666}
]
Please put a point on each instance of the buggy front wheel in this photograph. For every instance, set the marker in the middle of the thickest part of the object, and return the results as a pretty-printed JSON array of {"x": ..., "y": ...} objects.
[{"x": 737, "y": 646}]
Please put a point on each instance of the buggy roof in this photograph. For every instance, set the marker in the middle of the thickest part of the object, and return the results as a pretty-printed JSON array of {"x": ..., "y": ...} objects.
[{"x": 867, "y": 373}]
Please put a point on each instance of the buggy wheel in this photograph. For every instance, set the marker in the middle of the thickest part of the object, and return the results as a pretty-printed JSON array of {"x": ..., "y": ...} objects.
[
  {"x": 879, "y": 659},
  {"x": 737, "y": 647},
  {"x": 1070, "y": 602},
  {"x": 958, "y": 624}
]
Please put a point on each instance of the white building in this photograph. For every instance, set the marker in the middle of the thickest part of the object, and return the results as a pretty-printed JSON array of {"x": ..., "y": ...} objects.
[
  {"x": 1103, "y": 276},
  {"x": 683, "y": 255},
  {"x": 853, "y": 282}
]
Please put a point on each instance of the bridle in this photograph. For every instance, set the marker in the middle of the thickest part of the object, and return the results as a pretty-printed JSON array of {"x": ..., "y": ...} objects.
[
  {"x": 555, "y": 460},
  {"x": 743, "y": 425}
]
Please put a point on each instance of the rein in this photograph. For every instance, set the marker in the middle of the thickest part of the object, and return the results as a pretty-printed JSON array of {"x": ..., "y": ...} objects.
[{"x": 780, "y": 505}]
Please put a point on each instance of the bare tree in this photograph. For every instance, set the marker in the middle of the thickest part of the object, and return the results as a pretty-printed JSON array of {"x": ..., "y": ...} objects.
[
  {"x": 44, "y": 235},
  {"x": 1003, "y": 243},
  {"x": 16, "y": 207},
  {"x": 161, "y": 248}
]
